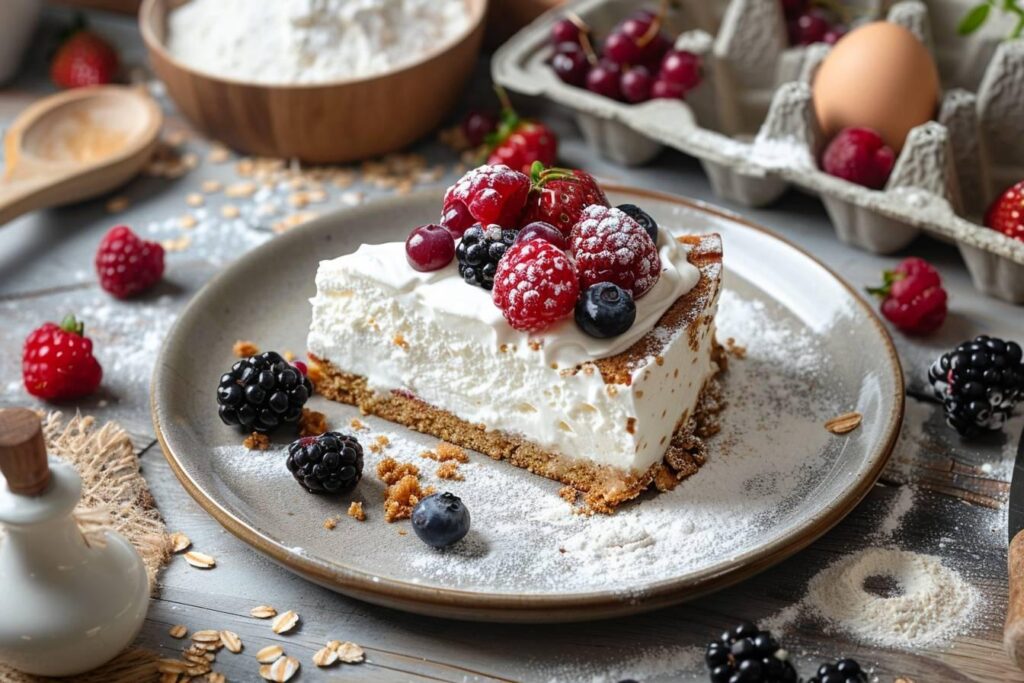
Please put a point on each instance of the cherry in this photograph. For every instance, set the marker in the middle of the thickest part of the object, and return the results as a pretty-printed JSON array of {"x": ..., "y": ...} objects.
[
  {"x": 811, "y": 27},
  {"x": 477, "y": 125},
  {"x": 635, "y": 27},
  {"x": 457, "y": 220},
  {"x": 429, "y": 247},
  {"x": 662, "y": 89},
  {"x": 621, "y": 49},
  {"x": 682, "y": 68},
  {"x": 833, "y": 35},
  {"x": 635, "y": 85},
  {"x": 570, "y": 64},
  {"x": 604, "y": 79},
  {"x": 565, "y": 31},
  {"x": 544, "y": 231}
]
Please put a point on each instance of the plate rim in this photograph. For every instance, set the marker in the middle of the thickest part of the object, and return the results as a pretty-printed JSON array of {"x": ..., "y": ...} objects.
[{"x": 543, "y": 607}]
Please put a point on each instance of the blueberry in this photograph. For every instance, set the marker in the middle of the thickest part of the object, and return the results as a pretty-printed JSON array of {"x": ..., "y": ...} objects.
[
  {"x": 605, "y": 310},
  {"x": 440, "y": 519},
  {"x": 641, "y": 217}
]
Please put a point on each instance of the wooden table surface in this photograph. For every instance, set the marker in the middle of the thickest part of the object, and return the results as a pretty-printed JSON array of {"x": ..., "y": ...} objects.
[{"x": 959, "y": 488}]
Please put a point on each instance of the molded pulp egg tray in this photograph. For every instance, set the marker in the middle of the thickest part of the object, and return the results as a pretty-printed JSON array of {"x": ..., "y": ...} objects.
[{"x": 751, "y": 122}]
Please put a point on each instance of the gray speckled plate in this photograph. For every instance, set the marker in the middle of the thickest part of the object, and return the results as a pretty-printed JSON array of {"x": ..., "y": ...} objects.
[{"x": 775, "y": 479}]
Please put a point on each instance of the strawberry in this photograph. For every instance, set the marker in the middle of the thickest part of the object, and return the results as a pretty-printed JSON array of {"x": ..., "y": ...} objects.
[
  {"x": 1006, "y": 214},
  {"x": 518, "y": 143},
  {"x": 535, "y": 285},
  {"x": 127, "y": 264},
  {"x": 57, "y": 362},
  {"x": 559, "y": 195},
  {"x": 912, "y": 296},
  {"x": 83, "y": 59}
]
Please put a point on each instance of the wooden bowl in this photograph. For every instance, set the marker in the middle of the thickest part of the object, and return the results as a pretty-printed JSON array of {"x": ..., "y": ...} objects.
[{"x": 318, "y": 123}]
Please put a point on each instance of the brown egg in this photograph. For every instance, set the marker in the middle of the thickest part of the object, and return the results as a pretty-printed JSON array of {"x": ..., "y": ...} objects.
[{"x": 879, "y": 76}]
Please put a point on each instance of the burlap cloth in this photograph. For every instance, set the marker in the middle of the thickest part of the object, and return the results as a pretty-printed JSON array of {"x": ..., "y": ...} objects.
[{"x": 114, "y": 496}]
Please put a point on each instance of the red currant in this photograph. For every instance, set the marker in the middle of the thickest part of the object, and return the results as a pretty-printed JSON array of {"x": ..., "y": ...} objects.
[
  {"x": 429, "y": 247},
  {"x": 544, "y": 231},
  {"x": 477, "y": 125}
]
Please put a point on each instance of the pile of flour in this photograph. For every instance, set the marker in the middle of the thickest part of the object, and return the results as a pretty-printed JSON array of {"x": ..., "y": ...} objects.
[{"x": 310, "y": 41}]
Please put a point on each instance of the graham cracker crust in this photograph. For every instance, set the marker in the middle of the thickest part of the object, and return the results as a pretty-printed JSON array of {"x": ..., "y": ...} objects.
[{"x": 603, "y": 487}]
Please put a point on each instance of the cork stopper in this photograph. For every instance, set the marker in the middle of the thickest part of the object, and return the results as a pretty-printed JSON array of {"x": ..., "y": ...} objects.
[{"x": 23, "y": 452}]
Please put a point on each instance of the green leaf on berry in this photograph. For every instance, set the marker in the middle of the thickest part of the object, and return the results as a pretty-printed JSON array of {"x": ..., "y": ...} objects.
[
  {"x": 973, "y": 20},
  {"x": 72, "y": 325}
]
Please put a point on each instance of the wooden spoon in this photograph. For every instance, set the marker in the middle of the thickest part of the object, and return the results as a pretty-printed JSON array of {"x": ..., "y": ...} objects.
[{"x": 75, "y": 145}]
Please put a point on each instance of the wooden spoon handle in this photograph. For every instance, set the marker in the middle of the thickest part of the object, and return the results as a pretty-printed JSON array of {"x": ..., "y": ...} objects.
[
  {"x": 21, "y": 196},
  {"x": 1013, "y": 631}
]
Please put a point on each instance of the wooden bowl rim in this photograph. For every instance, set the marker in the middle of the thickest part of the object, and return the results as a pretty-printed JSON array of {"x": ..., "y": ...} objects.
[{"x": 478, "y": 10}]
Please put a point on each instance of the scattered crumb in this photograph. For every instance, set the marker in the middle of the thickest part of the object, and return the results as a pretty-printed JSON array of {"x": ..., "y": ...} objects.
[
  {"x": 402, "y": 497},
  {"x": 330, "y": 523},
  {"x": 257, "y": 442},
  {"x": 390, "y": 470},
  {"x": 449, "y": 451},
  {"x": 118, "y": 204},
  {"x": 288, "y": 356},
  {"x": 665, "y": 479},
  {"x": 568, "y": 494},
  {"x": 187, "y": 221},
  {"x": 844, "y": 424},
  {"x": 240, "y": 190},
  {"x": 312, "y": 423},
  {"x": 218, "y": 154},
  {"x": 229, "y": 211},
  {"x": 356, "y": 423},
  {"x": 180, "y": 244},
  {"x": 449, "y": 470},
  {"x": 355, "y": 511},
  {"x": 195, "y": 199},
  {"x": 400, "y": 342},
  {"x": 402, "y": 532},
  {"x": 734, "y": 349},
  {"x": 211, "y": 186},
  {"x": 244, "y": 349},
  {"x": 379, "y": 444}
]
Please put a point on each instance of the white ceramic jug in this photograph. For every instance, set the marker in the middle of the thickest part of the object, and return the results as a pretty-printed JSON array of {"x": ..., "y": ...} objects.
[{"x": 65, "y": 607}]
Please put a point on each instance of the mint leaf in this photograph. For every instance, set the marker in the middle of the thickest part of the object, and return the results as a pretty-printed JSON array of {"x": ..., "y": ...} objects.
[{"x": 973, "y": 20}]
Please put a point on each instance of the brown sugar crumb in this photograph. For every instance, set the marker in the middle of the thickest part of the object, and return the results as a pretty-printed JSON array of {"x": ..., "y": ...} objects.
[
  {"x": 660, "y": 360},
  {"x": 379, "y": 444},
  {"x": 244, "y": 349},
  {"x": 390, "y": 471},
  {"x": 568, "y": 494},
  {"x": 449, "y": 451},
  {"x": 356, "y": 423},
  {"x": 402, "y": 497},
  {"x": 536, "y": 345},
  {"x": 355, "y": 511},
  {"x": 449, "y": 470},
  {"x": 312, "y": 423},
  {"x": 734, "y": 349},
  {"x": 631, "y": 425},
  {"x": 399, "y": 340},
  {"x": 665, "y": 479},
  {"x": 330, "y": 523},
  {"x": 257, "y": 442}
]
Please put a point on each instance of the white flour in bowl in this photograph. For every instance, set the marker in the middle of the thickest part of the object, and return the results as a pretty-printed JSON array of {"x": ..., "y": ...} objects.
[{"x": 310, "y": 41}]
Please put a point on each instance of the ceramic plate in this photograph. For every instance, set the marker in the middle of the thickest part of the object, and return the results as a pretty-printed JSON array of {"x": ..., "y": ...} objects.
[{"x": 775, "y": 479}]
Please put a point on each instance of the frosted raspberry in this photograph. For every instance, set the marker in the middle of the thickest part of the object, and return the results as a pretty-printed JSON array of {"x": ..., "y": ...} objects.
[
  {"x": 609, "y": 246},
  {"x": 491, "y": 194},
  {"x": 535, "y": 286}
]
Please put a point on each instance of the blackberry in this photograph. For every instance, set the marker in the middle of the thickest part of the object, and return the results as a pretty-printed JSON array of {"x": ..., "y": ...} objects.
[
  {"x": 745, "y": 653},
  {"x": 641, "y": 217},
  {"x": 260, "y": 392},
  {"x": 329, "y": 463},
  {"x": 480, "y": 250},
  {"x": 843, "y": 671},
  {"x": 979, "y": 383}
]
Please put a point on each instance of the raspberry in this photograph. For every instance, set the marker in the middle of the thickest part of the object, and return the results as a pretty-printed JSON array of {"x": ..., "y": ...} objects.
[
  {"x": 57, "y": 362},
  {"x": 860, "y": 156},
  {"x": 1006, "y": 214},
  {"x": 127, "y": 264},
  {"x": 912, "y": 297},
  {"x": 535, "y": 285},
  {"x": 609, "y": 246},
  {"x": 491, "y": 195}
]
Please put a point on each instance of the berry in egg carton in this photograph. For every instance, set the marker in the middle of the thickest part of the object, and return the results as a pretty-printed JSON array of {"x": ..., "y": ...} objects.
[{"x": 904, "y": 117}]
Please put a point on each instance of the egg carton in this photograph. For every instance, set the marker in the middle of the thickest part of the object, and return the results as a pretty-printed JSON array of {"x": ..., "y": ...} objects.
[{"x": 751, "y": 123}]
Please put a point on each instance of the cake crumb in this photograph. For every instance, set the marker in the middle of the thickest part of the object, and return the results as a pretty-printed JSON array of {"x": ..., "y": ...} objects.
[
  {"x": 355, "y": 511},
  {"x": 356, "y": 423},
  {"x": 631, "y": 425},
  {"x": 734, "y": 349},
  {"x": 402, "y": 497},
  {"x": 400, "y": 341},
  {"x": 446, "y": 452},
  {"x": 402, "y": 532},
  {"x": 314, "y": 372},
  {"x": 536, "y": 345},
  {"x": 379, "y": 444},
  {"x": 390, "y": 471},
  {"x": 288, "y": 356},
  {"x": 568, "y": 494},
  {"x": 244, "y": 348},
  {"x": 665, "y": 479},
  {"x": 330, "y": 523},
  {"x": 449, "y": 470},
  {"x": 312, "y": 423},
  {"x": 257, "y": 442}
]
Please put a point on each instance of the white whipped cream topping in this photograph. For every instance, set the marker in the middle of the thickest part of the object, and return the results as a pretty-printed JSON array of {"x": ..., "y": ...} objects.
[{"x": 447, "y": 343}]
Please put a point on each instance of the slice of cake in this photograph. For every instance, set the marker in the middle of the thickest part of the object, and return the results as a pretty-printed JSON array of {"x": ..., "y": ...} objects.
[{"x": 608, "y": 416}]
